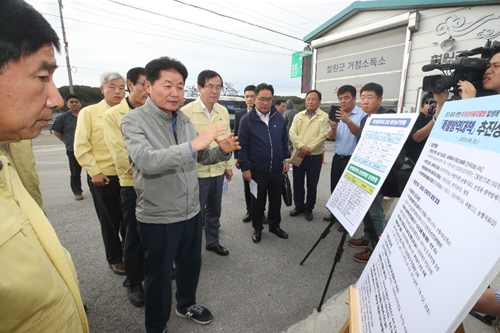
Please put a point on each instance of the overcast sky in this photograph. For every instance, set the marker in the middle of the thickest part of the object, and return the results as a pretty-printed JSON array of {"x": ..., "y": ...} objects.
[{"x": 116, "y": 35}]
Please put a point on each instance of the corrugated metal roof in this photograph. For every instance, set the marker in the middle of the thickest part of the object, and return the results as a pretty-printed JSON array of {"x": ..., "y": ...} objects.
[{"x": 359, "y": 6}]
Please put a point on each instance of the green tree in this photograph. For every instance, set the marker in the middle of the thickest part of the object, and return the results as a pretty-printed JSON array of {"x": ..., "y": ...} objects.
[
  {"x": 88, "y": 95},
  {"x": 228, "y": 90},
  {"x": 191, "y": 91}
]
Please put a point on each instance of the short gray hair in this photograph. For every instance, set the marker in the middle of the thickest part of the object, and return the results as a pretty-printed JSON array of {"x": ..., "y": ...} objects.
[{"x": 110, "y": 76}]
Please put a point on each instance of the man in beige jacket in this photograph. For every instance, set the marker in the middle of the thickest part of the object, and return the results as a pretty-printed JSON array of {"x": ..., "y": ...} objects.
[{"x": 38, "y": 284}]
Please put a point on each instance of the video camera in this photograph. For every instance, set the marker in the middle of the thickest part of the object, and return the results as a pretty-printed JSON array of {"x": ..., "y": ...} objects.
[{"x": 464, "y": 68}]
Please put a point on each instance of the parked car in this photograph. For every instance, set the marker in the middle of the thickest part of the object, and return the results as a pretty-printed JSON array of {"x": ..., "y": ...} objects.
[{"x": 233, "y": 104}]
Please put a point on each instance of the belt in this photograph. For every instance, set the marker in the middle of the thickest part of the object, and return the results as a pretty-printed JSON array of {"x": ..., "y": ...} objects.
[{"x": 342, "y": 156}]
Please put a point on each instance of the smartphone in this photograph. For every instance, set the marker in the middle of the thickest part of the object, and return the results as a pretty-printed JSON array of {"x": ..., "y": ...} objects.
[{"x": 333, "y": 113}]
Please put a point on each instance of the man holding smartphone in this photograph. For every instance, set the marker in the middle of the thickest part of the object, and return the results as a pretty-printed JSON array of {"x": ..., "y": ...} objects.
[{"x": 344, "y": 127}]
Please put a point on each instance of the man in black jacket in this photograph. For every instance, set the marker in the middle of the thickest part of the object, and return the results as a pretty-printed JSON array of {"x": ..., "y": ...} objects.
[
  {"x": 264, "y": 156},
  {"x": 250, "y": 101}
]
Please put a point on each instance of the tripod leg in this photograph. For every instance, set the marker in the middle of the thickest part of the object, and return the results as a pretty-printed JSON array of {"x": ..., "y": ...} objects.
[
  {"x": 322, "y": 236},
  {"x": 338, "y": 255}
]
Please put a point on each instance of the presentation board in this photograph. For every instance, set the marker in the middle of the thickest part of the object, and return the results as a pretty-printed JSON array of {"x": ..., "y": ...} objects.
[{"x": 440, "y": 250}]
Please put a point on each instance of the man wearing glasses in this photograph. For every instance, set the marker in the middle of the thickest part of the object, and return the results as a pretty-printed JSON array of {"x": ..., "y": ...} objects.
[
  {"x": 133, "y": 254},
  {"x": 263, "y": 157},
  {"x": 204, "y": 112}
]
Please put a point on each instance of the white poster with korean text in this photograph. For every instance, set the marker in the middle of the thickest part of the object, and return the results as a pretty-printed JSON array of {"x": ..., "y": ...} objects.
[
  {"x": 382, "y": 139},
  {"x": 440, "y": 249}
]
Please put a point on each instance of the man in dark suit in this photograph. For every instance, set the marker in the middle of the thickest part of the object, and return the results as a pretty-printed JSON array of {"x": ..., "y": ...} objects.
[
  {"x": 250, "y": 101},
  {"x": 263, "y": 158}
]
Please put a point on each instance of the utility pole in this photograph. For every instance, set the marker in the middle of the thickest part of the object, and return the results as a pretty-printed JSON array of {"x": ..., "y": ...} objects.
[{"x": 70, "y": 78}]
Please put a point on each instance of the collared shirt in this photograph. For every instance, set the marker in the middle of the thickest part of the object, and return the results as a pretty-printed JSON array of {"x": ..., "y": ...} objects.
[
  {"x": 263, "y": 117},
  {"x": 311, "y": 115},
  {"x": 114, "y": 141},
  {"x": 91, "y": 151},
  {"x": 205, "y": 109},
  {"x": 309, "y": 131},
  {"x": 66, "y": 125},
  {"x": 197, "y": 113},
  {"x": 345, "y": 141}
]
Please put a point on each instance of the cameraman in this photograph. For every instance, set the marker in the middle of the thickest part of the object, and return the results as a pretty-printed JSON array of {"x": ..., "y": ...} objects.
[
  {"x": 489, "y": 302},
  {"x": 491, "y": 81},
  {"x": 422, "y": 128}
]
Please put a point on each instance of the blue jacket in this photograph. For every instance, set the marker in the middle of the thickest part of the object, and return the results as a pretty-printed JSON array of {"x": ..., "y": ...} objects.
[{"x": 263, "y": 148}]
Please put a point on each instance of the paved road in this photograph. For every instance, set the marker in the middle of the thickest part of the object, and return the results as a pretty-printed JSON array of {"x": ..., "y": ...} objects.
[{"x": 257, "y": 288}]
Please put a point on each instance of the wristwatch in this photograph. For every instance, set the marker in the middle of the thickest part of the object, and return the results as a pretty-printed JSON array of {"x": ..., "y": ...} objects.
[
  {"x": 286, "y": 160},
  {"x": 434, "y": 118}
]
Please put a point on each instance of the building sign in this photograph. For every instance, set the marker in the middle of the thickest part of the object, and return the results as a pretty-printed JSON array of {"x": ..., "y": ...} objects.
[
  {"x": 355, "y": 65},
  {"x": 297, "y": 63},
  {"x": 373, "y": 58}
]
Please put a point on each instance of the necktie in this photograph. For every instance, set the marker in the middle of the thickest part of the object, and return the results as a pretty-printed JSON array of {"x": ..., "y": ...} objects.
[{"x": 174, "y": 125}]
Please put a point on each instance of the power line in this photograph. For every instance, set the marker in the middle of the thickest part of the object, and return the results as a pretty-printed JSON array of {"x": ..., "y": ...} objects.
[
  {"x": 200, "y": 25},
  {"x": 236, "y": 19},
  {"x": 274, "y": 19},
  {"x": 286, "y": 10},
  {"x": 168, "y": 37},
  {"x": 150, "y": 46},
  {"x": 202, "y": 39},
  {"x": 205, "y": 56}
]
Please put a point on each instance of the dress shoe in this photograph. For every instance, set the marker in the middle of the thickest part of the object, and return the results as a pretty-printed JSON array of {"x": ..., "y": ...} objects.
[
  {"x": 297, "y": 211},
  {"x": 78, "y": 197},
  {"x": 136, "y": 295},
  {"x": 279, "y": 232},
  {"x": 218, "y": 249},
  {"x": 329, "y": 218},
  {"x": 256, "y": 236},
  {"x": 264, "y": 219},
  {"x": 358, "y": 242},
  {"x": 247, "y": 218},
  {"x": 363, "y": 256},
  {"x": 118, "y": 269},
  {"x": 309, "y": 215}
]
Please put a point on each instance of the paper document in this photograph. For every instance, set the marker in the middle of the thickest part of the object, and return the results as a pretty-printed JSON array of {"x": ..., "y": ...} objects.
[
  {"x": 253, "y": 188},
  {"x": 225, "y": 185}
]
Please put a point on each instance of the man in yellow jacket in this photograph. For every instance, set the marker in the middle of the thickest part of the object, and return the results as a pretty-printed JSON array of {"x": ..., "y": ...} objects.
[
  {"x": 38, "y": 284},
  {"x": 308, "y": 134},
  {"x": 133, "y": 254},
  {"x": 93, "y": 155},
  {"x": 21, "y": 157},
  {"x": 203, "y": 112}
]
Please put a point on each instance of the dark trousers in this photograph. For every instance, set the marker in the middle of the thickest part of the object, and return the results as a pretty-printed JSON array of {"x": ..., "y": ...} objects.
[
  {"x": 269, "y": 182},
  {"x": 107, "y": 206},
  {"x": 248, "y": 198},
  {"x": 133, "y": 254},
  {"x": 339, "y": 163},
  {"x": 310, "y": 167},
  {"x": 248, "y": 195},
  {"x": 211, "y": 207},
  {"x": 75, "y": 170},
  {"x": 164, "y": 244}
]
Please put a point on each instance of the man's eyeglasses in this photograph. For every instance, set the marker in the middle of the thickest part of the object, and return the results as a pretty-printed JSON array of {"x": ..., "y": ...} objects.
[
  {"x": 141, "y": 83},
  {"x": 212, "y": 87},
  {"x": 265, "y": 100}
]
